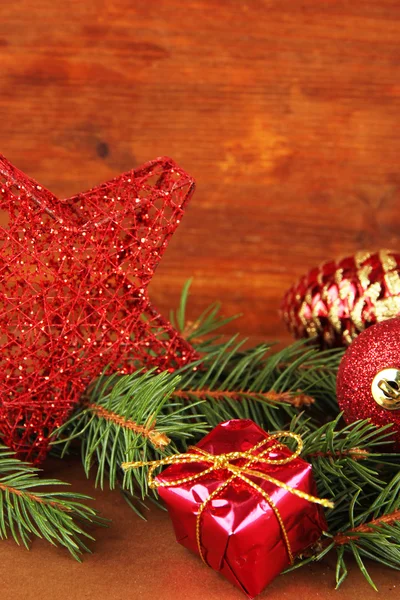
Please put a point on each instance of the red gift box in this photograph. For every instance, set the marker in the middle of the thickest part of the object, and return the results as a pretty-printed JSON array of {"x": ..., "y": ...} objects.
[{"x": 246, "y": 527}]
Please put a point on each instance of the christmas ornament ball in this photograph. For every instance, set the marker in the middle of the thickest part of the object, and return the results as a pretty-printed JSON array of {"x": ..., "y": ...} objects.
[
  {"x": 368, "y": 382},
  {"x": 336, "y": 301}
]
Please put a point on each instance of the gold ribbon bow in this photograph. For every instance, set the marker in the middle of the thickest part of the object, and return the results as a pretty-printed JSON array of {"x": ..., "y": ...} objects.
[{"x": 223, "y": 461}]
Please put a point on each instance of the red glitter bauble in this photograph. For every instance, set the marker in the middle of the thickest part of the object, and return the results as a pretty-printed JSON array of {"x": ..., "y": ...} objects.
[
  {"x": 368, "y": 367},
  {"x": 338, "y": 300},
  {"x": 73, "y": 292}
]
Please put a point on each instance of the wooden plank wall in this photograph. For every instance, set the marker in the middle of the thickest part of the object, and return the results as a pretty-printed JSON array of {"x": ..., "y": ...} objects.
[{"x": 286, "y": 112}]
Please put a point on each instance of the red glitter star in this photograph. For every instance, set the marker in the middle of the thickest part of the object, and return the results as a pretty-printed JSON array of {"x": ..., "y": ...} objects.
[{"x": 73, "y": 292}]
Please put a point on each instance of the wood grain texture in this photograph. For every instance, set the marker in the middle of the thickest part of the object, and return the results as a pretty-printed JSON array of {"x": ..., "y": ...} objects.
[{"x": 285, "y": 112}]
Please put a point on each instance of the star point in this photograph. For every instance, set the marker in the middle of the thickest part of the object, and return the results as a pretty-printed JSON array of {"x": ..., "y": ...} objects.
[{"x": 73, "y": 291}]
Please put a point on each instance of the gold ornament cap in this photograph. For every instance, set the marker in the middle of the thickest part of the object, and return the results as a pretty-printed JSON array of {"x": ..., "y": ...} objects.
[{"x": 385, "y": 388}]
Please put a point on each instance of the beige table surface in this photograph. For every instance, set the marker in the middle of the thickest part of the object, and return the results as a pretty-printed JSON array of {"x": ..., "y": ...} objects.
[{"x": 137, "y": 560}]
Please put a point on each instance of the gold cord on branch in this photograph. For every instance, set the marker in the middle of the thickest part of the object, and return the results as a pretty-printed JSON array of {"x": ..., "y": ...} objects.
[
  {"x": 224, "y": 461},
  {"x": 157, "y": 438}
]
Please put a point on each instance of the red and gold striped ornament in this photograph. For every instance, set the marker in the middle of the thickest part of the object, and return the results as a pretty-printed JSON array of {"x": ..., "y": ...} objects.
[{"x": 338, "y": 300}]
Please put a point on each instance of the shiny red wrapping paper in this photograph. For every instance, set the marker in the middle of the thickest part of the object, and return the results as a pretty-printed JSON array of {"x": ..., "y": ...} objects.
[{"x": 240, "y": 534}]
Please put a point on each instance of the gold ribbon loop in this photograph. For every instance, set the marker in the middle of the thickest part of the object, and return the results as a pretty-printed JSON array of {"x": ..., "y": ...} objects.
[{"x": 224, "y": 461}]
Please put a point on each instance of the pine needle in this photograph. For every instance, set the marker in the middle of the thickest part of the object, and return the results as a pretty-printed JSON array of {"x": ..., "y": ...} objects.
[
  {"x": 145, "y": 416},
  {"x": 129, "y": 418},
  {"x": 28, "y": 509}
]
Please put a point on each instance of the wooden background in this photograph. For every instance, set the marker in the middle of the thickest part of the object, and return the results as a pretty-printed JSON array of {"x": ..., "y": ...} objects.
[{"x": 286, "y": 112}]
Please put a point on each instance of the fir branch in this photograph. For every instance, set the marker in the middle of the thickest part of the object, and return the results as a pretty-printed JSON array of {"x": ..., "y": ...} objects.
[
  {"x": 268, "y": 387},
  {"x": 148, "y": 430},
  {"x": 296, "y": 399},
  {"x": 374, "y": 533},
  {"x": 198, "y": 332},
  {"x": 349, "y": 457},
  {"x": 26, "y": 511},
  {"x": 350, "y": 463},
  {"x": 350, "y": 466},
  {"x": 128, "y": 418},
  {"x": 252, "y": 383},
  {"x": 356, "y": 454},
  {"x": 352, "y": 535}
]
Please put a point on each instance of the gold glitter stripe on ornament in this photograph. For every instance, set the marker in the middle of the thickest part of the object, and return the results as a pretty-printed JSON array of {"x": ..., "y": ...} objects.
[
  {"x": 308, "y": 325},
  {"x": 388, "y": 261},
  {"x": 302, "y": 315},
  {"x": 372, "y": 294},
  {"x": 338, "y": 276},
  {"x": 356, "y": 314},
  {"x": 392, "y": 278},
  {"x": 309, "y": 296},
  {"x": 345, "y": 291},
  {"x": 348, "y": 338},
  {"x": 360, "y": 258},
  {"x": 333, "y": 315},
  {"x": 363, "y": 276},
  {"x": 223, "y": 461},
  {"x": 374, "y": 291},
  {"x": 316, "y": 322},
  {"x": 314, "y": 326},
  {"x": 387, "y": 308}
]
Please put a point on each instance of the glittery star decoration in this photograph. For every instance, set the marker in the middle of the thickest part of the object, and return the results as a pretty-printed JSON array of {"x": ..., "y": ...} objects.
[{"x": 73, "y": 292}]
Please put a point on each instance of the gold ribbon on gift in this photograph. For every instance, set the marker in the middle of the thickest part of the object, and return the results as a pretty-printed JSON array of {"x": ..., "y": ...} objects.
[{"x": 224, "y": 461}]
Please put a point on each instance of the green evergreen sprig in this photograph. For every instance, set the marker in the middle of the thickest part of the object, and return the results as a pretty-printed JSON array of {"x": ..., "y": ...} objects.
[
  {"x": 122, "y": 416},
  {"x": 354, "y": 467},
  {"x": 128, "y": 418},
  {"x": 145, "y": 416},
  {"x": 28, "y": 509},
  {"x": 198, "y": 331},
  {"x": 266, "y": 386}
]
